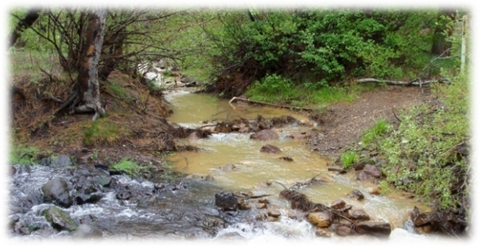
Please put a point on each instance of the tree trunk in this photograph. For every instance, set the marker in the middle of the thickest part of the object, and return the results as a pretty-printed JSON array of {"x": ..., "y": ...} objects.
[
  {"x": 440, "y": 44},
  {"x": 88, "y": 85}
]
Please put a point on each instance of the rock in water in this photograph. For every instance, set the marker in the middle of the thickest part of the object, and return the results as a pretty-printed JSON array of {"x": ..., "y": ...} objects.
[
  {"x": 270, "y": 149},
  {"x": 264, "y": 135},
  {"x": 226, "y": 201},
  {"x": 231, "y": 238},
  {"x": 59, "y": 219},
  {"x": 356, "y": 194},
  {"x": 375, "y": 228},
  {"x": 56, "y": 191},
  {"x": 86, "y": 233},
  {"x": 320, "y": 219}
]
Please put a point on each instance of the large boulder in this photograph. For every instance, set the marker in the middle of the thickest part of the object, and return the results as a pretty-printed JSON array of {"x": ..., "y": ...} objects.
[
  {"x": 86, "y": 233},
  {"x": 226, "y": 201},
  {"x": 231, "y": 238},
  {"x": 264, "y": 135},
  {"x": 56, "y": 191},
  {"x": 59, "y": 219},
  {"x": 320, "y": 219},
  {"x": 270, "y": 149},
  {"x": 375, "y": 228}
]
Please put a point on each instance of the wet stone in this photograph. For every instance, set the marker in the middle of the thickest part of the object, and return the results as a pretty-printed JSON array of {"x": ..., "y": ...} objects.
[
  {"x": 274, "y": 213},
  {"x": 356, "y": 194},
  {"x": 56, "y": 191},
  {"x": 338, "y": 204},
  {"x": 270, "y": 149},
  {"x": 264, "y": 135},
  {"x": 123, "y": 195},
  {"x": 59, "y": 219},
  {"x": 358, "y": 214},
  {"x": 320, "y": 219},
  {"x": 226, "y": 201},
  {"x": 375, "y": 228},
  {"x": 343, "y": 230}
]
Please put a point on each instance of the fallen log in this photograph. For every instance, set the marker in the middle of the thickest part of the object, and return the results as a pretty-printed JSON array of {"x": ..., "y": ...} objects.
[
  {"x": 267, "y": 104},
  {"x": 414, "y": 82}
]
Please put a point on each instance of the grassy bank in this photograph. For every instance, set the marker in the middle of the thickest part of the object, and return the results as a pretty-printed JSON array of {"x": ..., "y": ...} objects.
[
  {"x": 427, "y": 151},
  {"x": 280, "y": 90}
]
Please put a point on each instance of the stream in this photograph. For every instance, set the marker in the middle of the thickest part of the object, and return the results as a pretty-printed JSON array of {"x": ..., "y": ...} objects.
[
  {"x": 119, "y": 207},
  {"x": 253, "y": 169}
]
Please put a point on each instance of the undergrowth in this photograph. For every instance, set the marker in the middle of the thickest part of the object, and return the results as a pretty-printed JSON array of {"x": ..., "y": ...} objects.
[
  {"x": 129, "y": 167},
  {"x": 23, "y": 155},
  {"x": 428, "y": 152},
  {"x": 277, "y": 89}
]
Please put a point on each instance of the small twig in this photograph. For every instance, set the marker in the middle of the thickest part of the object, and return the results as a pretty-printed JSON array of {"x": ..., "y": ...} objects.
[
  {"x": 394, "y": 114},
  {"x": 282, "y": 185}
]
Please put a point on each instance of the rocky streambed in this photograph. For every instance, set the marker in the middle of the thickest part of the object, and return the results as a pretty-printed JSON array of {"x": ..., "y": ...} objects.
[{"x": 93, "y": 202}]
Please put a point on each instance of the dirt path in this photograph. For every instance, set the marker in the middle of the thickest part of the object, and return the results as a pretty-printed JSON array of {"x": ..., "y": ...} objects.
[{"x": 342, "y": 123}]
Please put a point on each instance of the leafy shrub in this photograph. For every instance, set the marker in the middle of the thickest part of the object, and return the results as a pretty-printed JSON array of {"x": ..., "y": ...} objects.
[{"x": 23, "y": 155}]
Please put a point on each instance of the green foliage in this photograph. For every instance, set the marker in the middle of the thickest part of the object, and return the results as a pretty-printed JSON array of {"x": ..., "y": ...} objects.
[
  {"x": 349, "y": 158},
  {"x": 327, "y": 45},
  {"x": 129, "y": 167},
  {"x": 380, "y": 128},
  {"x": 277, "y": 89},
  {"x": 102, "y": 131},
  {"x": 272, "y": 88},
  {"x": 22, "y": 155},
  {"x": 119, "y": 91},
  {"x": 425, "y": 154}
]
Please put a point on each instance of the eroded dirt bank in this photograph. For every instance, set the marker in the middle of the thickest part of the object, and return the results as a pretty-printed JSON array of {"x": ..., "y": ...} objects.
[{"x": 342, "y": 123}]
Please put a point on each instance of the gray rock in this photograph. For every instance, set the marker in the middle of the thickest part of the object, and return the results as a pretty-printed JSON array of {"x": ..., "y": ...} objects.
[
  {"x": 375, "y": 228},
  {"x": 87, "y": 231},
  {"x": 59, "y": 219},
  {"x": 61, "y": 161},
  {"x": 56, "y": 191},
  {"x": 231, "y": 238},
  {"x": 226, "y": 201}
]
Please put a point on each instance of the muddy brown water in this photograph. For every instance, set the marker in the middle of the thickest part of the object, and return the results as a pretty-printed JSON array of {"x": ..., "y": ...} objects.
[{"x": 254, "y": 169}]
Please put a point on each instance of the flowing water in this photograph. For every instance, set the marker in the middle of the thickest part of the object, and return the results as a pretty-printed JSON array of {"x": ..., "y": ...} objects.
[
  {"x": 186, "y": 209},
  {"x": 253, "y": 169}
]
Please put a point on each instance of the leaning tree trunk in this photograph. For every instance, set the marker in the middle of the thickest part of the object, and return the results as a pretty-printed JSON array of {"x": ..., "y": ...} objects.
[
  {"x": 12, "y": 38},
  {"x": 88, "y": 85}
]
